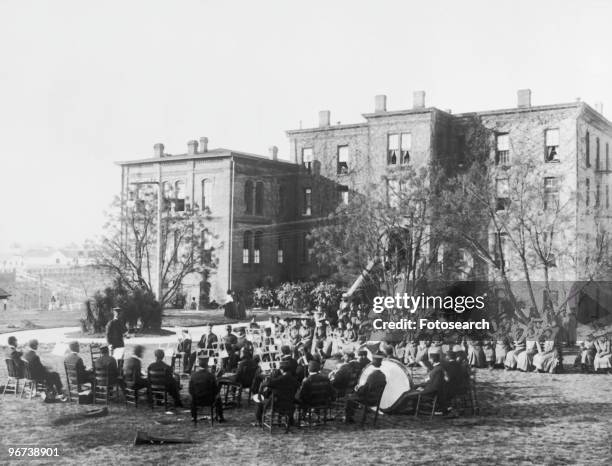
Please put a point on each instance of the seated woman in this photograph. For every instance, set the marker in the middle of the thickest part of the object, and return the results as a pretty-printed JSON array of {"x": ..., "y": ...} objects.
[
  {"x": 547, "y": 358},
  {"x": 422, "y": 356},
  {"x": 588, "y": 352},
  {"x": 524, "y": 361},
  {"x": 602, "y": 361},
  {"x": 512, "y": 355},
  {"x": 489, "y": 353},
  {"x": 502, "y": 346},
  {"x": 475, "y": 354}
]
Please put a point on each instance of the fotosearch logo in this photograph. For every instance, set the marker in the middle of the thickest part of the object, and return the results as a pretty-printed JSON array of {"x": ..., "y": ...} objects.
[{"x": 459, "y": 304}]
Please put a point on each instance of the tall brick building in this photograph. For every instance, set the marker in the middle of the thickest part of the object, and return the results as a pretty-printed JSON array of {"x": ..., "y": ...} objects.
[{"x": 264, "y": 206}]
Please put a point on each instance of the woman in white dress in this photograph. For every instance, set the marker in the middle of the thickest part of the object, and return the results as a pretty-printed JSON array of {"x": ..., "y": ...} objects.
[{"x": 602, "y": 361}]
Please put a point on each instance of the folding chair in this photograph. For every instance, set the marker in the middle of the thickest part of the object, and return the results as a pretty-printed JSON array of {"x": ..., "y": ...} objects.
[
  {"x": 427, "y": 404},
  {"x": 14, "y": 376}
]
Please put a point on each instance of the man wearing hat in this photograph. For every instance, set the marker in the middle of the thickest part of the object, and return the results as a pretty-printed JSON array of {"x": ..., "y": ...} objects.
[
  {"x": 363, "y": 359},
  {"x": 107, "y": 364},
  {"x": 115, "y": 331},
  {"x": 345, "y": 377},
  {"x": 316, "y": 389},
  {"x": 284, "y": 385},
  {"x": 204, "y": 391},
  {"x": 367, "y": 393}
]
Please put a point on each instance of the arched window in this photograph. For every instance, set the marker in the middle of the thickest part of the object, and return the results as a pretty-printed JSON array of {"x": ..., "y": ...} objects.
[
  {"x": 206, "y": 194},
  {"x": 248, "y": 197},
  {"x": 259, "y": 201},
  {"x": 280, "y": 253},
  {"x": 179, "y": 190},
  {"x": 246, "y": 247},
  {"x": 257, "y": 247}
]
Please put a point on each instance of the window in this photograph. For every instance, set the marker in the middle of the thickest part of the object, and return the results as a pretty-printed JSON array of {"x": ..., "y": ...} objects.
[
  {"x": 179, "y": 189},
  {"x": 597, "y": 194},
  {"x": 306, "y": 252},
  {"x": 394, "y": 191},
  {"x": 307, "y": 156},
  {"x": 502, "y": 153},
  {"x": 551, "y": 193},
  {"x": 246, "y": 247},
  {"x": 607, "y": 197},
  {"x": 552, "y": 145},
  {"x": 597, "y": 149},
  {"x": 588, "y": 149},
  {"x": 206, "y": 194},
  {"x": 587, "y": 185},
  {"x": 343, "y": 160},
  {"x": 502, "y": 194},
  {"x": 398, "y": 148},
  {"x": 248, "y": 197},
  {"x": 607, "y": 156},
  {"x": 257, "y": 247},
  {"x": 206, "y": 247},
  {"x": 307, "y": 202},
  {"x": 546, "y": 248},
  {"x": 280, "y": 252},
  {"x": 343, "y": 195},
  {"x": 259, "y": 198}
]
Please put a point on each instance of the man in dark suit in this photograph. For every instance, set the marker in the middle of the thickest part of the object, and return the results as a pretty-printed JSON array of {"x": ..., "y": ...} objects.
[
  {"x": 73, "y": 359},
  {"x": 172, "y": 384},
  {"x": 363, "y": 358},
  {"x": 433, "y": 386},
  {"x": 106, "y": 363},
  {"x": 115, "y": 331},
  {"x": 13, "y": 354},
  {"x": 41, "y": 373},
  {"x": 183, "y": 352},
  {"x": 366, "y": 393},
  {"x": 287, "y": 357},
  {"x": 204, "y": 391},
  {"x": 132, "y": 370},
  {"x": 207, "y": 340},
  {"x": 345, "y": 377},
  {"x": 229, "y": 344},
  {"x": 316, "y": 389},
  {"x": 457, "y": 376},
  {"x": 285, "y": 385}
]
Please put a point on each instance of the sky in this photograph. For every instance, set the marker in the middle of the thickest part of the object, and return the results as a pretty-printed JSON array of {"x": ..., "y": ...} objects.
[{"x": 84, "y": 84}]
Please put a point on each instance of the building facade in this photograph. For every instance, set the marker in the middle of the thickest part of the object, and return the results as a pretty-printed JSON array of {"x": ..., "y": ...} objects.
[{"x": 261, "y": 208}]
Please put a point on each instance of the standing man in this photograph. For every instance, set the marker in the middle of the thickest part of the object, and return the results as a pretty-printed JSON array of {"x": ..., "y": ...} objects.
[{"x": 115, "y": 331}]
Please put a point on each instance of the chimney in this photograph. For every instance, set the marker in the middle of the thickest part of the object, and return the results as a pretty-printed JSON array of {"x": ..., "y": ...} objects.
[
  {"x": 418, "y": 99},
  {"x": 524, "y": 98},
  {"x": 324, "y": 118},
  {"x": 599, "y": 107},
  {"x": 273, "y": 152},
  {"x": 203, "y": 145},
  {"x": 192, "y": 147},
  {"x": 158, "y": 150},
  {"x": 380, "y": 103}
]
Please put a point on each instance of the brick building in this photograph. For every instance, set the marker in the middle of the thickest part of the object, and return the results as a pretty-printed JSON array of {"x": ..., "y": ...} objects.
[{"x": 264, "y": 206}]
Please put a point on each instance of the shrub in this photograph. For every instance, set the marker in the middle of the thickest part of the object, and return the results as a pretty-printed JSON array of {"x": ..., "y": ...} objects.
[
  {"x": 264, "y": 297},
  {"x": 327, "y": 295},
  {"x": 295, "y": 295},
  {"x": 137, "y": 305}
]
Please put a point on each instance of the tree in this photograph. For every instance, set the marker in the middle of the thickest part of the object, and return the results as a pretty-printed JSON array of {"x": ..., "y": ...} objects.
[
  {"x": 387, "y": 230},
  {"x": 128, "y": 250}
]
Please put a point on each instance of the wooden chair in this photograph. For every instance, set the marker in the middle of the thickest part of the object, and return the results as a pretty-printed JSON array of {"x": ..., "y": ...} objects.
[
  {"x": 75, "y": 384},
  {"x": 102, "y": 389},
  {"x": 131, "y": 395},
  {"x": 426, "y": 404},
  {"x": 279, "y": 412},
  {"x": 14, "y": 376},
  {"x": 372, "y": 400},
  {"x": 200, "y": 403},
  {"x": 158, "y": 388},
  {"x": 94, "y": 352},
  {"x": 30, "y": 383},
  {"x": 319, "y": 407}
]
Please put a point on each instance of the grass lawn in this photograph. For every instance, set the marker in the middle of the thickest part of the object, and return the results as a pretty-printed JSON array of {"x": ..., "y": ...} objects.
[{"x": 525, "y": 419}]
